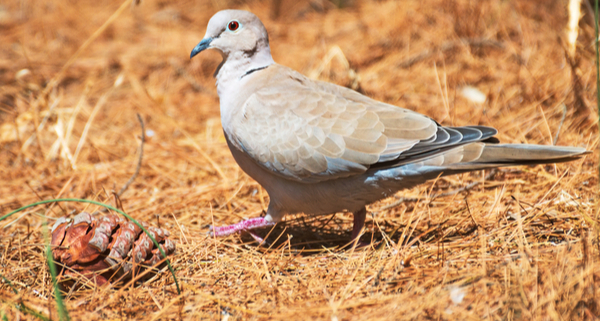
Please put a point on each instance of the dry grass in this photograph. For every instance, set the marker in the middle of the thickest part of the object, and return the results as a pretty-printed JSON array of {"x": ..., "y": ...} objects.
[{"x": 520, "y": 245}]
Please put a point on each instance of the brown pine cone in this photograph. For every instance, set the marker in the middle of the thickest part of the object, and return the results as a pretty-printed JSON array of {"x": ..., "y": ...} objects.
[{"x": 105, "y": 249}]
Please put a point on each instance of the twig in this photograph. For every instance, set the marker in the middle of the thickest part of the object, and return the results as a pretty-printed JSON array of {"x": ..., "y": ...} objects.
[
  {"x": 137, "y": 169},
  {"x": 139, "y": 163},
  {"x": 118, "y": 203}
]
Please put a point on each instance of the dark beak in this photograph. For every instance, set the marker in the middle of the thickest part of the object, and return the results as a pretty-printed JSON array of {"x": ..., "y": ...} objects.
[{"x": 200, "y": 47}]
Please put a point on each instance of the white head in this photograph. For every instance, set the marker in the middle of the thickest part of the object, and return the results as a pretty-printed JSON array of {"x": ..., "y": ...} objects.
[{"x": 239, "y": 34}]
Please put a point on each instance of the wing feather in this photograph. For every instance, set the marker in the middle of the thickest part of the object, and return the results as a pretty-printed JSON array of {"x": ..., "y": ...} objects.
[{"x": 311, "y": 131}]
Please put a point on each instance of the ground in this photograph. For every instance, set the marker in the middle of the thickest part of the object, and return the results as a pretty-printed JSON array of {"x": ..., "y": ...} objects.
[{"x": 521, "y": 243}]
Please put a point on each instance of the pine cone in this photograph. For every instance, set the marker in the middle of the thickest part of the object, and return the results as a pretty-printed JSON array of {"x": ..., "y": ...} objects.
[{"x": 105, "y": 249}]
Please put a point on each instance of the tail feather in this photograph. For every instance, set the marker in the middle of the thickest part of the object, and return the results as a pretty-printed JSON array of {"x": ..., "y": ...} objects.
[
  {"x": 521, "y": 152},
  {"x": 496, "y": 155},
  {"x": 481, "y": 155}
]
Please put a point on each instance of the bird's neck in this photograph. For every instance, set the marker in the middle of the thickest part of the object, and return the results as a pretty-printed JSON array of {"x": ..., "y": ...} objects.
[{"x": 236, "y": 65}]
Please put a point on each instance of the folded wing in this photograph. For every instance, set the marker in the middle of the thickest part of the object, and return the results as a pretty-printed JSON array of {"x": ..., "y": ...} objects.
[{"x": 312, "y": 131}]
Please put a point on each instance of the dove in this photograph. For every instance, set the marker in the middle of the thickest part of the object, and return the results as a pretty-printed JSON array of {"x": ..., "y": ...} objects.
[{"x": 319, "y": 148}]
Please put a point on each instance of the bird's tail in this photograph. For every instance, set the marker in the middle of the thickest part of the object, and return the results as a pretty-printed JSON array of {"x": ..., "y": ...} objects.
[
  {"x": 495, "y": 155},
  {"x": 478, "y": 156}
]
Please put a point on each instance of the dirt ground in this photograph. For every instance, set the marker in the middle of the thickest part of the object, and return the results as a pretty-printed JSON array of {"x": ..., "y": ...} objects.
[{"x": 521, "y": 243}]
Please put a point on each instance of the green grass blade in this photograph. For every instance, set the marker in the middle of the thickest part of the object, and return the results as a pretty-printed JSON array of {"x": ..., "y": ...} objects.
[
  {"x": 25, "y": 309},
  {"x": 62, "y": 309}
]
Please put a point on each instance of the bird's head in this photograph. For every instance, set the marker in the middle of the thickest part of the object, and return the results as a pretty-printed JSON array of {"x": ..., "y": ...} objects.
[{"x": 231, "y": 31}]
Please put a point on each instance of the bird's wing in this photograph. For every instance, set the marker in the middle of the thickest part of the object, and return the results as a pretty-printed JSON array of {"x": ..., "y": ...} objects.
[{"x": 312, "y": 131}]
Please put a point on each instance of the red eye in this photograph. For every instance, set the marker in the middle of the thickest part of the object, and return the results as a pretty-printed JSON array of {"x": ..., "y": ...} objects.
[{"x": 233, "y": 25}]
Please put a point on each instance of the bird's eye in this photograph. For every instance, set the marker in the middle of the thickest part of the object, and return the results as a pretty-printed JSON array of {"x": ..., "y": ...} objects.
[{"x": 233, "y": 25}]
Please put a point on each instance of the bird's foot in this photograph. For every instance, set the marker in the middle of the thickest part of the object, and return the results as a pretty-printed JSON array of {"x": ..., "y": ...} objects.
[{"x": 245, "y": 225}]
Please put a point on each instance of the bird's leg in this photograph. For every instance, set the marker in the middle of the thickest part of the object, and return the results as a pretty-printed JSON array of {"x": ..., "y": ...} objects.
[
  {"x": 359, "y": 222},
  {"x": 244, "y": 225}
]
